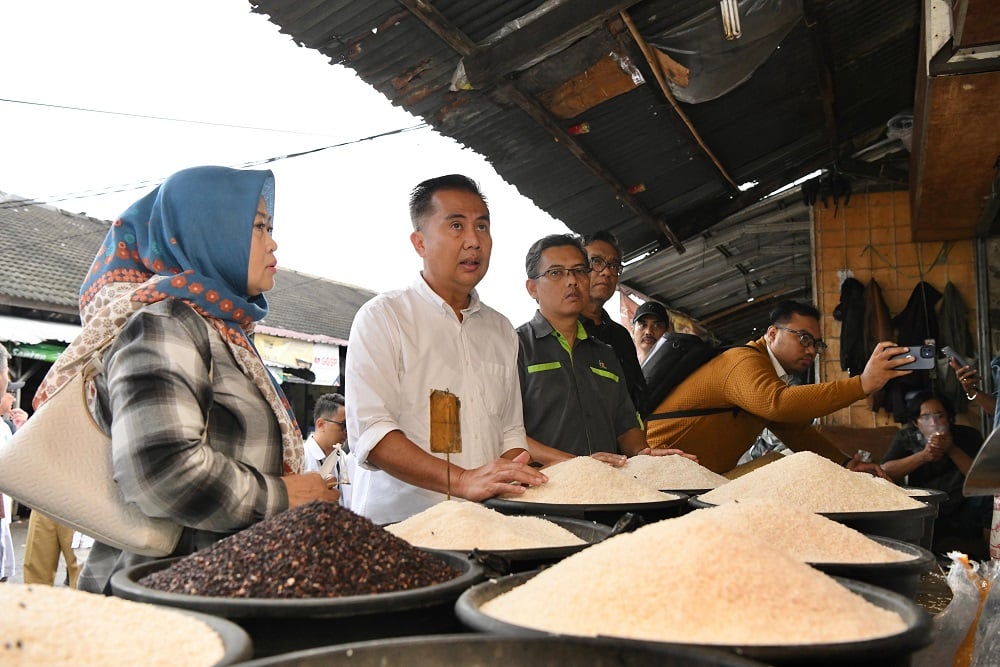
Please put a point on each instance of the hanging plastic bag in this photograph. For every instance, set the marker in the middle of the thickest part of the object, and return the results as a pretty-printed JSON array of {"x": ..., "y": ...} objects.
[{"x": 966, "y": 633}]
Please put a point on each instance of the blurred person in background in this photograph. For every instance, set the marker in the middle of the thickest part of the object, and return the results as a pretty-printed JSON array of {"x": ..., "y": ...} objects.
[
  {"x": 329, "y": 438},
  {"x": 649, "y": 324},
  {"x": 604, "y": 256},
  {"x": 7, "y": 561},
  {"x": 932, "y": 452}
]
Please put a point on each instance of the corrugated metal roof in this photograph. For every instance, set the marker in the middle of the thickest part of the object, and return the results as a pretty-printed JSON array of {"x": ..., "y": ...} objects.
[{"x": 838, "y": 75}]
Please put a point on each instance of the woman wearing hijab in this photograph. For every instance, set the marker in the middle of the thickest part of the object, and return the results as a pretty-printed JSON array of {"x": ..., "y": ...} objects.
[{"x": 201, "y": 433}]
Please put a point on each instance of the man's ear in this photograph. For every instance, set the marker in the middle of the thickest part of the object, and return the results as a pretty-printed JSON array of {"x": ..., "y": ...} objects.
[
  {"x": 771, "y": 332},
  {"x": 417, "y": 239},
  {"x": 532, "y": 288}
]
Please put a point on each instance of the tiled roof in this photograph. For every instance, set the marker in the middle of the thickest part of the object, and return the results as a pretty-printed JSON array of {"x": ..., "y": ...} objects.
[
  {"x": 46, "y": 253},
  {"x": 312, "y": 305}
]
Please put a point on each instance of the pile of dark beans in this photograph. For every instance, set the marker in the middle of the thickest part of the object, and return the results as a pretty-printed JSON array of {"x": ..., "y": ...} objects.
[{"x": 312, "y": 551}]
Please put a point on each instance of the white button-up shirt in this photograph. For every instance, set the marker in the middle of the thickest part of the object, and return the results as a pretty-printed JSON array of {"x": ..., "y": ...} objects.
[
  {"x": 404, "y": 344},
  {"x": 314, "y": 455}
]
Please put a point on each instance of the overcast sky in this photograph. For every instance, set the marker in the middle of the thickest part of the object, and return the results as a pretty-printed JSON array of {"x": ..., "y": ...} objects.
[{"x": 250, "y": 94}]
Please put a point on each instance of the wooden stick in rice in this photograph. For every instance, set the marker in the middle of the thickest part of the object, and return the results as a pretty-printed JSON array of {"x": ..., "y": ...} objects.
[{"x": 446, "y": 429}]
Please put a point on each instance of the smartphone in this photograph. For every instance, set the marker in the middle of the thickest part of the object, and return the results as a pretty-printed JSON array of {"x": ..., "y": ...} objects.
[
  {"x": 948, "y": 352},
  {"x": 923, "y": 356}
]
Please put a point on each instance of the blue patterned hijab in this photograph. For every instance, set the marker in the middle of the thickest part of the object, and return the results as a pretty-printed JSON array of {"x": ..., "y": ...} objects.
[
  {"x": 195, "y": 227},
  {"x": 188, "y": 239}
]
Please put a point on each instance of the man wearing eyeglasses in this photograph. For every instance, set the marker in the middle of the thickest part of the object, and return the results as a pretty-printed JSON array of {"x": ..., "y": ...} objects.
[
  {"x": 717, "y": 412},
  {"x": 605, "y": 258},
  {"x": 575, "y": 400},
  {"x": 330, "y": 420}
]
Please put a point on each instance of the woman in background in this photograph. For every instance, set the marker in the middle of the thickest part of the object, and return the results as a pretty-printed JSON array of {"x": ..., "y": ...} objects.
[{"x": 932, "y": 452}]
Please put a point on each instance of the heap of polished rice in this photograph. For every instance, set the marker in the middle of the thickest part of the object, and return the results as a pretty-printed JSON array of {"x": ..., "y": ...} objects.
[
  {"x": 463, "y": 525},
  {"x": 675, "y": 473},
  {"x": 712, "y": 590},
  {"x": 804, "y": 535},
  {"x": 43, "y": 625},
  {"x": 814, "y": 483},
  {"x": 583, "y": 480}
]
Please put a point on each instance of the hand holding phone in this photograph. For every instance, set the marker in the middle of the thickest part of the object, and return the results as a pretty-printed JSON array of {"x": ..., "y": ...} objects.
[
  {"x": 948, "y": 352},
  {"x": 923, "y": 358}
]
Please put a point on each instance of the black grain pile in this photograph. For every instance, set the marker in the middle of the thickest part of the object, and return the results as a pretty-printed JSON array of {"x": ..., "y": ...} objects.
[{"x": 312, "y": 551}]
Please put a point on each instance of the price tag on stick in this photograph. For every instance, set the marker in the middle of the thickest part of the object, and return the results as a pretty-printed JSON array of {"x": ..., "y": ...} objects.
[{"x": 446, "y": 430}]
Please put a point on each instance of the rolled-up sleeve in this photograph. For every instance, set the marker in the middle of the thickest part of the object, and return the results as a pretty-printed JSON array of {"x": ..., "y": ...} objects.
[{"x": 373, "y": 404}]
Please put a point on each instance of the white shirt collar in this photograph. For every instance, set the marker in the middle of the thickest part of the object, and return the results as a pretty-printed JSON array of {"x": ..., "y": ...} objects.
[
  {"x": 425, "y": 290},
  {"x": 779, "y": 370}
]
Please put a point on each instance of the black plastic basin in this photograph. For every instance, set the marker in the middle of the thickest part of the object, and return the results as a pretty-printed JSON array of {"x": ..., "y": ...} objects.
[
  {"x": 608, "y": 514},
  {"x": 436, "y": 651},
  {"x": 891, "y": 651},
  {"x": 282, "y": 625}
]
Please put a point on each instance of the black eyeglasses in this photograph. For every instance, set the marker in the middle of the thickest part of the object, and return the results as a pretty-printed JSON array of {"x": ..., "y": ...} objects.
[
  {"x": 806, "y": 339},
  {"x": 560, "y": 272},
  {"x": 598, "y": 264},
  {"x": 334, "y": 421}
]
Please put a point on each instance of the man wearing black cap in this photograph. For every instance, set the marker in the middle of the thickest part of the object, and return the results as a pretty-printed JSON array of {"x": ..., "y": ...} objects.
[
  {"x": 649, "y": 324},
  {"x": 605, "y": 259}
]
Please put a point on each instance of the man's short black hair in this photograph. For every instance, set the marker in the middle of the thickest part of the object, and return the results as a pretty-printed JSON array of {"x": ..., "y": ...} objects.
[
  {"x": 327, "y": 405},
  {"x": 534, "y": 256},
  {"x": 420, "y": 197},
  {"x": 915, "y": 400},
  {"x": 607, "y": 237},
  {"x": 784, "y": 311}
]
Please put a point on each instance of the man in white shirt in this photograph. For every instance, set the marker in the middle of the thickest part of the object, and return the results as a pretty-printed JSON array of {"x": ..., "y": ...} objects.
[
  {"x": 330, "y": 421},
  {"x": 329, "y": 439},
  {"x": 436, "y": 334}
]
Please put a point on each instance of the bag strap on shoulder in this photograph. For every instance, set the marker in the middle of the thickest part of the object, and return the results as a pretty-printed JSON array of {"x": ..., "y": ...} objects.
[{"x": 693, "y": 412}]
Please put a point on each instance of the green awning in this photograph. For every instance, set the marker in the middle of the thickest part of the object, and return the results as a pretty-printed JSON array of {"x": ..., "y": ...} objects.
[{"x": 43, "y": 351}]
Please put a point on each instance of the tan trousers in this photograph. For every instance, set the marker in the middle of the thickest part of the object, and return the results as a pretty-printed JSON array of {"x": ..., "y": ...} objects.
[{"x": 46, "y": 539}]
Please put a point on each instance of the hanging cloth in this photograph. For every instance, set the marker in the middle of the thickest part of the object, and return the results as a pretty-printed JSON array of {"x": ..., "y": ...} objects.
[
  {"x": 877, "y": 327},
  {"x": 916, "y": 323},
  {"x": 850, "y": 312}
]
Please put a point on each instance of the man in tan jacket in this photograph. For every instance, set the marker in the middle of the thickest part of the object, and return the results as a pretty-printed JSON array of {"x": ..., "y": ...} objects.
[{"x": 717, "y": 412}]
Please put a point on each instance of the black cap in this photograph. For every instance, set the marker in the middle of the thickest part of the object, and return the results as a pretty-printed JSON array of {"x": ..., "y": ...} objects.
[{"x": 651, "y": 308}]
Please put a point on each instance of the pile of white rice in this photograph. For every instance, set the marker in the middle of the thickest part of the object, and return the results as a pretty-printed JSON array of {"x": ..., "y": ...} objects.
[
  {"x": 43, "y": 626},
  {"x": 712, "y": 589},
  {"x": 583, "y": 480},
  {"x": 909, "y": 491},
  {"x": 811, "y": 482},
  {"x": 454, "y": 524},
  {"x": 671, "y": 472},
  {"x": 803, "y": 535}
]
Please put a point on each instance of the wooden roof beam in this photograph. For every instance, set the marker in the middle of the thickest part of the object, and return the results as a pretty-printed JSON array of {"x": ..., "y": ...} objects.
[
  {"x": 654, "y": 65},
  {"x": 821, "y": 51},
  {"x": 507, "y": 92}
]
